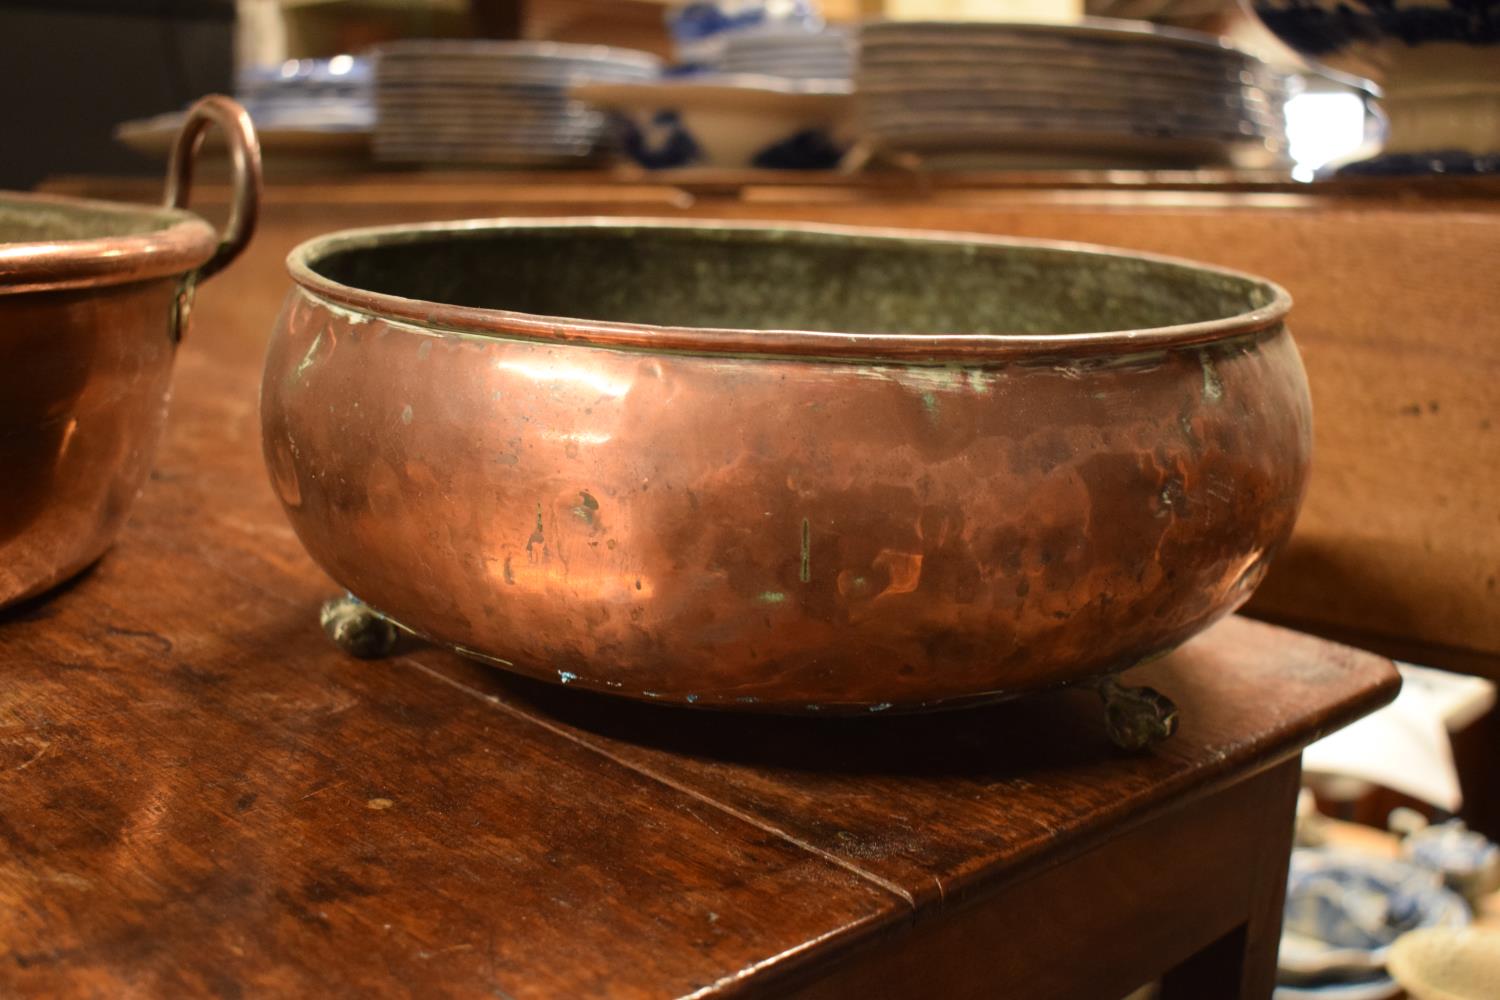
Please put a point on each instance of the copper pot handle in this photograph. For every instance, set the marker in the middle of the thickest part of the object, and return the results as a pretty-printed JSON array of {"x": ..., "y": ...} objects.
[{"x": 244, "y": 152}]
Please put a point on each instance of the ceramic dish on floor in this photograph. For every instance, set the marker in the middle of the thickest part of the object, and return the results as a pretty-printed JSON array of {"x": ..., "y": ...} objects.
[
  {"x": 1345, "y": 910},
  {"x": 1443, "y": 963}
]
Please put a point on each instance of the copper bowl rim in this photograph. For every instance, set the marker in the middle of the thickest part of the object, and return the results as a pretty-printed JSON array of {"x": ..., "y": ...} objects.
[
  {"x": 905, "y": 348},
  {"x": 180, "y": 243}
]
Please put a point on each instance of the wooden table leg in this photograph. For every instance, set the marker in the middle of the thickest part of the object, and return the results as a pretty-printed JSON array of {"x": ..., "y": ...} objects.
[
  {"x": 1242, "y": 963},
  {"x": 1198, "y": 890}
]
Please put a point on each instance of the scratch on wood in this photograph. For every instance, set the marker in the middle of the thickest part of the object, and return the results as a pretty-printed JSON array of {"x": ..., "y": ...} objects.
[
  {"x": 321, "y": 788},
  {"x": 32, "y": 759}
]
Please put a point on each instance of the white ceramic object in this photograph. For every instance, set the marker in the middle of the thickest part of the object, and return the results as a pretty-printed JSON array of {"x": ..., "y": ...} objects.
[
  {"x": 731, "y": 121},
  {"x": 805, "y": 55},
  {"x": 489, "y": 102},
  {"x": 1437, "y": 60},
  {"x": 1446, "y": 963},
  {"x": 1096, "y": 94}
]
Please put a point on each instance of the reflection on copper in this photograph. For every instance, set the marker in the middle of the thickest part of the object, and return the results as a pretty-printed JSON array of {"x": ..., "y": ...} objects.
[{"x": 781, "y": 519}]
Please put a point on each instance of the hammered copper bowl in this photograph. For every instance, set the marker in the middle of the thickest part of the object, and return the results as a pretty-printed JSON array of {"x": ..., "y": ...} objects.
[
  {"x": 93, "y": 299},
  {"x": 790, "y": 469}
]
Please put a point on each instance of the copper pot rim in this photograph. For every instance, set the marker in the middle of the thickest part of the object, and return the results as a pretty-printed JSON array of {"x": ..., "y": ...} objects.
[
  {"x": 178, "y": 243},
  {"x": 812, "y": 344}
]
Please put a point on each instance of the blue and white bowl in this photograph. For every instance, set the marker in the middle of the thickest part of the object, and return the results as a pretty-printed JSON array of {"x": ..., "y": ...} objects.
[
  {"x": 1438, "y": 62},
  {"x": 727, "y": 121},
  {"x": 1343, "y": 913}
]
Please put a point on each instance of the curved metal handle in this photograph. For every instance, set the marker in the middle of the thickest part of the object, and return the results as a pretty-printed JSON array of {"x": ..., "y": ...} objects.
[{"x": 244, "y": 152}]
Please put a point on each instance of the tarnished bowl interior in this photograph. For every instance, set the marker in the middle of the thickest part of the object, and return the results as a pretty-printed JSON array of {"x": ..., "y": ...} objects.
[
  {"x": 770, "y": 279},
  {"x": 29, "y": 219},
  {"x": 800, "y": 469}
]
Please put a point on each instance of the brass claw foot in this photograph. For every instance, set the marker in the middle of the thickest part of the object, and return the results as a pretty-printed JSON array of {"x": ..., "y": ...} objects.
[
  {"x": 1135, "y": 717},
  {"x": 356, "y": 629}
]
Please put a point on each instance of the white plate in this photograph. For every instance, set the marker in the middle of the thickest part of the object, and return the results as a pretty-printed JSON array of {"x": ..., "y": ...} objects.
[
  {"x": 154, "y": 136},
  {"x": 481, "y": 133},
  {"x": 742, "y": 93},
  {"x": 954, "y": 106},
  {"x": 1094, "y": 29},
  {"x": 487, "y": 157},
  {"x": 1380, "y": 989},
  {"x": 561, "y": 108},
  {"x": 1059, "y": 77},
  {"x": 480, "y": 49},
  {"x": 453, "y": 77},
  {"x": 981, "y": 58},
  {"x": 1058, "y": 119},
  {"x": 948, "y": 132}
]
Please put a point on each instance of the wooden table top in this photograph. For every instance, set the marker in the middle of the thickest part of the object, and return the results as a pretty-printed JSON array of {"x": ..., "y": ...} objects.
[{"x": 199, "y": 795}]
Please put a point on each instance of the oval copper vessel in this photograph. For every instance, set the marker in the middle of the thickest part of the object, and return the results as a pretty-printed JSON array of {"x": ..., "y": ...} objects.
[
  {"x": 783, "y": 468},
  {"x": 93, "y": 299}
]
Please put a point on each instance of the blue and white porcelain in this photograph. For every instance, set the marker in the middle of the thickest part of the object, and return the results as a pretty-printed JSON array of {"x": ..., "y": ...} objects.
[
  {"x": 700, "y": 28},
  {"x": 334, "y": 94},
  {"x": 1468, "y": 860},
  {"x": 1438, "y": 62},
  {"x": 1343, "y": 913},
  {"x": 727, "y": 121}
]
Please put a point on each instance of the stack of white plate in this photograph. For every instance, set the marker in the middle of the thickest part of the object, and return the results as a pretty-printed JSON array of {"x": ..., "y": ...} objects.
[
  {"x": 791, "y": 52},
  {"x": 1095, "y": 94},
  {"x": 496, "y": 103}
]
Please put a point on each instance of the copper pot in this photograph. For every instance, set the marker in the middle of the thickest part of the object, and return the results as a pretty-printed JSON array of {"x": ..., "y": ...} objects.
[
  {"x": 783, "y": 468},
  {"x": 94, "y": 297}
]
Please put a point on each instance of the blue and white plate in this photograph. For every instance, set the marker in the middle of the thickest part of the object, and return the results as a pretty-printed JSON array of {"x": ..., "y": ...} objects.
[{"x": 1343, "y": 913}]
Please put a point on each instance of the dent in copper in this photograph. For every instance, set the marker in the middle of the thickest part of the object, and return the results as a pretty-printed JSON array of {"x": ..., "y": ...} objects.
[{"x": 784, "y": 533}]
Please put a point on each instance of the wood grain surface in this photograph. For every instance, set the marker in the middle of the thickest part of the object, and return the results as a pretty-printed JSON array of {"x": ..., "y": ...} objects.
[{"x": 200, "y": 796}]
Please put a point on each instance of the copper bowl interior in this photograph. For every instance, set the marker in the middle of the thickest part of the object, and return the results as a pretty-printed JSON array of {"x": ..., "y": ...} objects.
[
  {"x": 771, "y": 279},
  {"x": 29, "y": 219}
]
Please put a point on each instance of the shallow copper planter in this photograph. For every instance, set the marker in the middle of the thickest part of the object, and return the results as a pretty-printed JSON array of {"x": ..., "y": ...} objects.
[
  {"x": 681, "y": 495},
  {"x": 94, "y": 297}
]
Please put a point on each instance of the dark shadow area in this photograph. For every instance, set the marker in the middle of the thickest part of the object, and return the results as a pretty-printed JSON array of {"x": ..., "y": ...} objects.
[
  {"x": 1027, "y": 736},
  {"x": 74, "y": 69},
  {"x": 40, "y": 607}
]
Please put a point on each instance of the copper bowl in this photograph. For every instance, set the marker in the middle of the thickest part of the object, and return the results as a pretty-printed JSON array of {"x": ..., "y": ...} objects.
[
  {"x": 94, "y": 297},
  {"x": 783, "y": 468}
]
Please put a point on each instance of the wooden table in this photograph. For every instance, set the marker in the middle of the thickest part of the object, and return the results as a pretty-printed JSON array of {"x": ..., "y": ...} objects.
[{"x": 200, "y": 796}]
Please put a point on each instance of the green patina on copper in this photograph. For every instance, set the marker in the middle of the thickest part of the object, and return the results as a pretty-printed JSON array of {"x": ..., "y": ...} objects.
[{"x": 771, "y": 279}]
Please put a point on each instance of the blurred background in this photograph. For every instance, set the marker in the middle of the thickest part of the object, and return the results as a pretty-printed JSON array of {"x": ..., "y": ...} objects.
[{"x": 788, "y": 84}]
